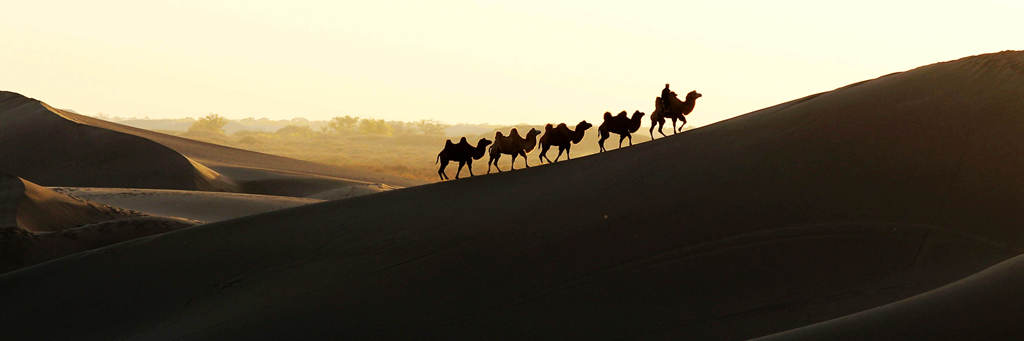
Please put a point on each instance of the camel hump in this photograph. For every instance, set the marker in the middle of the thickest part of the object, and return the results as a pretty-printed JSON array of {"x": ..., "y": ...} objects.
[
  {"x": 622, "y": 113},
  {"x": 463, "y": 140},
  {"x": 514, "y": 132},
  {"x": 607, "y": 115},
  {"x": 548, "y": 127},
  {"x": 448, "y": 143},
  {"x": 498, "y": 135},
  {"x": 562, "y": 126}
]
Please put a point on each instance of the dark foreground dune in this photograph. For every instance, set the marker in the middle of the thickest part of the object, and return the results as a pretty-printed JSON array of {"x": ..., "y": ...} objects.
[
  {"x": 795, "y": 214},
  {"x": 37, "y": 224},
  {"x": 984, "y": 306}
]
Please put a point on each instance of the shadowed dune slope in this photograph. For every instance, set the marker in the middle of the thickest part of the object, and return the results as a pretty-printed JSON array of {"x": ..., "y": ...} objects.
[
  {"x": 984, "y": 306},
  {"x": 264, "y": 167},
  {"x": 43, "y": 146},
  {"x": 787, "y": 216},
  {"x": 37, "y": 224},
  {"x": 59, "y": 148}
]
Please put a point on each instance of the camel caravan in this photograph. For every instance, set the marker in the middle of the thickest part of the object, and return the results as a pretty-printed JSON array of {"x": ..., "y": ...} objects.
[{"x": 666, "y": 106}]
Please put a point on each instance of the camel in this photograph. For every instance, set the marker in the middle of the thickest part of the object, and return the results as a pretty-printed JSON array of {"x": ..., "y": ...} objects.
[
  {"x": 562, "y": 137},
  {"x": 677, "y": 111},
  {"x": 619, "y": 124},
  {"x": 513, "y": 145},
  {"x": 462, "y": 152}
]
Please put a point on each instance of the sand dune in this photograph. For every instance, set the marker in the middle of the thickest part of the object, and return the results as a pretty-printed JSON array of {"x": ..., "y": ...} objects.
[
  {"x": 201, "y": 206},
  {"x": 40, "y": 224},
  {"x": 984, "y": 306},
  {"x": 80, "y": 151},
  {"x": 254, "y": 164},
  {"x": 38, "y": 143},
  {"x": 791, "y": 215},
  {"x": 295, "y": 184}
]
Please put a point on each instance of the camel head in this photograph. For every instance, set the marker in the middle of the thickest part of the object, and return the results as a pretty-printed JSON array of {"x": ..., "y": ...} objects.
[
  {"x": 581, "y": 129},
  {"x": 532, "y": 133},
  {"x": 693, "y": 95},
  {"x": 634, "y": 122},
  {"x": 583, "y": 126},
  {"x": 481, "y": 148}
]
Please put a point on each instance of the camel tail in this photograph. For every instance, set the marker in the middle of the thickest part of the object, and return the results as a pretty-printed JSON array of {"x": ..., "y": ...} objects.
[{"x": 438, "y": 158}]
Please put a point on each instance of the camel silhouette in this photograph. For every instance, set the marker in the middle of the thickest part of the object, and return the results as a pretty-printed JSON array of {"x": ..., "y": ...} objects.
[
  {"x": 462, "y": 152},
  {"x": 514, "y": 145},
  {"x": 562, "y": 137},
  {"x": 619, "y": 124},
  {"x": 677, "y": 110}
]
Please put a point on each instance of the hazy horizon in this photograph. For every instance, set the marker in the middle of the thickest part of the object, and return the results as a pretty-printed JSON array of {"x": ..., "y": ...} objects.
[{"x": 471, "y": 62}]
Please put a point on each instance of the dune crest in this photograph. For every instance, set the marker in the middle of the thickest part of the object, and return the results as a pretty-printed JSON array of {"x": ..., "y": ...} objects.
[
  {"x": 44, "y": 145},
  {"x": 984, "y": 306}
]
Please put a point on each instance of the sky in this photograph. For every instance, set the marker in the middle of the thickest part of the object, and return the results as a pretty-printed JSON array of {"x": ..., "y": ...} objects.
[{"x": 456, "y": 61}]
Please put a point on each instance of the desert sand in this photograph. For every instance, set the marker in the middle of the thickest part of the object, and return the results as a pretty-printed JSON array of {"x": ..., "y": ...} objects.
[
  {"x": 254, "y": 172},
  {"x": 39, "y": 224},
  {"x": 40, "y": 143},
  {"x": 799, "y": 213},
  {"x": 205, "y": 207},
  {"x": 984, "y": 306}
]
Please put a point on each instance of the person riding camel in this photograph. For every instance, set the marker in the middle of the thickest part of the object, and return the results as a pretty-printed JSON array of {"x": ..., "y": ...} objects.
[{"x": 665, "y": 95}]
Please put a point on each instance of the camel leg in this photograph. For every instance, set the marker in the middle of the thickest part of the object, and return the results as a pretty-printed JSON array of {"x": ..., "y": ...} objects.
[
  {"x": 560, "y": 149},
  {"x": 651, "y": 131},
  {"x": 514, "y": 155},
  {"x": 494, "y": 160},
  {"x": 621, "y": 137},
  {"x": 630, "y": 137},
  {"x": 470, "y": 164},
  {"x": 683, "y": 118},
  {"x": 567, "y": 148},
  {"x": 674, "y": 131},
  {"x": 543, "y": 151},
  {"x": 661, "y": 124},
  {"x": 461, "y": 163},
  {"x": 600, "y": 142},
  {"x": 440, "y": 171},
  {"x": 525, "y": 162}
]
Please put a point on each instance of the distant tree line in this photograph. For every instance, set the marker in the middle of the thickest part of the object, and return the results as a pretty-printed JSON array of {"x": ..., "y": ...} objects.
[{"x": 212, "y": 125}]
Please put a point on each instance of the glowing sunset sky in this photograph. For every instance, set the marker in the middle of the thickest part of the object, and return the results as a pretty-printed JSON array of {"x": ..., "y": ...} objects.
[{"x": 472, "y": 61}]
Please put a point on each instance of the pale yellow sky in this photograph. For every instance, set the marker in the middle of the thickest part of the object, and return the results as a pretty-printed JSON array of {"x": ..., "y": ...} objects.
[{"x": 472, "y": 61}]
